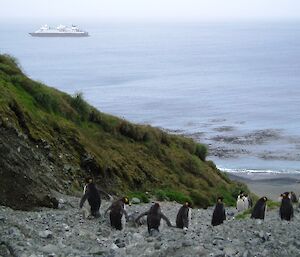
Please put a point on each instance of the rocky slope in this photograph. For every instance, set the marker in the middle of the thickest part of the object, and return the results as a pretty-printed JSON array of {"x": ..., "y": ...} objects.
[
  {"x": 63, "y": 232},
  {"x": 50, "y": 141}
]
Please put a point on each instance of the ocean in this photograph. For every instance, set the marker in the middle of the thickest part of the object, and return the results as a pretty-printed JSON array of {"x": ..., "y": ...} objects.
[{"x": 234, "y": 86}]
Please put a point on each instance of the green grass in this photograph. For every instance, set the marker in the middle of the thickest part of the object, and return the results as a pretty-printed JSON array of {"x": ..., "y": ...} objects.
[
  {"x": 172, "y": 195},
  {"x": 140, "y": 195},
  {"x": 244, "y": 215},
  {"x": 273, "y": 205},
  {"x": 126, "y": 157}
]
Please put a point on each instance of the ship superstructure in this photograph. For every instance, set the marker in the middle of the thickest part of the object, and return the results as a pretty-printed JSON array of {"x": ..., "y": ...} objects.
[{"x": 59, "y": 31}]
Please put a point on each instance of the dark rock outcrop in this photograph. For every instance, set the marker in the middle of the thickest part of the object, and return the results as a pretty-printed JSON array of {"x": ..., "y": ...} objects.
[{"x": 23, "y": 170}]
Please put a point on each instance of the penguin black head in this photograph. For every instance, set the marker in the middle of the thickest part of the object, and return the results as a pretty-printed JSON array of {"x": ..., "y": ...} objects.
[
  {"x": 220, "y": 199},
  {"x": 89, "y": 180},
  {"x": 125, "y": 200},
  {"x": 155, "y": 208},
  {"x": 265, "y": 198},
  {"x": 285, "y": 195},
  {"x": 187, "y": 204}
]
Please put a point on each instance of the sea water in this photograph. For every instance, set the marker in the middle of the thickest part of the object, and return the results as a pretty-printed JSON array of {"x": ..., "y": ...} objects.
[{"x": 224, "y": 83}]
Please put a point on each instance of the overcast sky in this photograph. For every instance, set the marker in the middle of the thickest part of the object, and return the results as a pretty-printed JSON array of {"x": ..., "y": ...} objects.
[{"x": 149, "y": 10}]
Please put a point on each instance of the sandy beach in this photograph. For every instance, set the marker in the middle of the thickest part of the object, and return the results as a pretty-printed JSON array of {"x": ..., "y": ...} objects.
[{"x": 269, "y": 184}]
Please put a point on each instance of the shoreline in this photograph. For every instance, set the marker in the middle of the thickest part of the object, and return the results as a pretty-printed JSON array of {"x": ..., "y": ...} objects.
[{"x": 269, "y": 184}]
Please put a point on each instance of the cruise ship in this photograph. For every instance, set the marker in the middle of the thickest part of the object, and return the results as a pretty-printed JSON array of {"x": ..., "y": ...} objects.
[{"x": 60, "y": 31}]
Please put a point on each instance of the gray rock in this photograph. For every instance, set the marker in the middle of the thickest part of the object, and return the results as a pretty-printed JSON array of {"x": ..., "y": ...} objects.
[
  {"x": 150, "y": 239},
  {"x": 50, "y": 248},
  {"x": 46, "y": 234},
  {"x": 296, "y": 243},
  {"x": 120, "y": 243},
  {"x": 67, "y": 168},
  {"x": 113, "y": 247},
  {"x": 136, "y": 237},
  {"x": 61, "y": 203},
  {"x": 47, "y": 147},
  {"x": 105, "y": 232},
  {"x": 230, "y": 251},
  {"x": 219, "y": 238},
  {"x": 135, "y": 200},
  {"x": 246, "y": 254},
  {"x": 265, "y": 252},
  {"x": 51, "y": 157},
  {"x": 187, "y": 243},
  {"x": 66, "y": 227},
  {"x": 154, "y": 233},
  {"x": 118, "y": 240},
  {"x": 15, "y": 232},
  {"x": 254, "y": 242},
  {"x": 230, "y": 213},
  {"x": 261, "y": 234},
  {"x": 96, "y": 250},
  {"x": 199, "y": 251},
  {"x": 219, "y": 254},
  {"x": 4, "y": 251},
  {"x": 157, "y": 245}
]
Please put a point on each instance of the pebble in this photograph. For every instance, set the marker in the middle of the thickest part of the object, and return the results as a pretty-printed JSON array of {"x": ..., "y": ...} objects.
[
  {"x": 246, "y": 254},
  {"x": 50, "y": 248},
  {"x": 46, "y": 234},
  {"x": 113, "y": 246},
  {"x": 157, "y": 245},
  {"x": 96, "y": 250},
  {"x": 120, "y": 243},
  {"x": 230, "y": 251},
  {"x": 219, "y": 254},
  {"x": 14, "y": 232},
  {"x": 105, "y": 232},
  {"x": 187, "y": 243},
  {"x": 32, "y": 233},
  {"x": 261, "y": 234}
]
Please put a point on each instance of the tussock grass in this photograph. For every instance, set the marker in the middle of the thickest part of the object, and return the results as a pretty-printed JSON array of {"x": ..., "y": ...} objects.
[
  {"x": 244, "y": 215},
  {"x": 124, "y": 157},
  {"x": 172, "y": 195},
  {"x": 140, "y": 195}
]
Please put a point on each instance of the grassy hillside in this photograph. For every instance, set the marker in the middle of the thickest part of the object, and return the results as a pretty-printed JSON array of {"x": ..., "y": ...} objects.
[{"x": 76, "y": 140}]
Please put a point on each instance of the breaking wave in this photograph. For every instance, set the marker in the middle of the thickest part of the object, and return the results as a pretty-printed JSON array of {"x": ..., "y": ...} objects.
[{"x": 257, "y": 171}]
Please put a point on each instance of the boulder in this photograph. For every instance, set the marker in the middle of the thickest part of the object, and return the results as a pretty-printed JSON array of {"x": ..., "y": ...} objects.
[{"x": 135, "y": 200}]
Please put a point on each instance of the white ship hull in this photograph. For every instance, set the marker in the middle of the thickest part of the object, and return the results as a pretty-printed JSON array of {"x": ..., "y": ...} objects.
[{"x": 59, "y": 34}]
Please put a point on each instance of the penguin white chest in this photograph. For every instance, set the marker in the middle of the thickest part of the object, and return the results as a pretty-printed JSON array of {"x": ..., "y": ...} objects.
[
  {"x": 189, "y": 216},
  {"x": 240, "y": 205},
  {"x": 123, "y": 219}
]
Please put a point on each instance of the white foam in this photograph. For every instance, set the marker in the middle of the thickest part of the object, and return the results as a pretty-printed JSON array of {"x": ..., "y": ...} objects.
[{"x": 265, "y": 171}]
